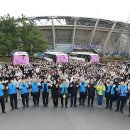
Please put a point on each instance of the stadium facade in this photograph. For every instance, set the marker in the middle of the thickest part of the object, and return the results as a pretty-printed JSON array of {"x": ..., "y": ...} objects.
[{"x": 65, "y": 33}]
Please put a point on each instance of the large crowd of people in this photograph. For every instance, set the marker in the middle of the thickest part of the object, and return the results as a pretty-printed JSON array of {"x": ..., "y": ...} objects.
[{"x": 66, "y": 81}]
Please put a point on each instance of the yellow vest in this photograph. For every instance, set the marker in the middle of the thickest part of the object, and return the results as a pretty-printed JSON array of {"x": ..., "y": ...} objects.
[{"x": 100, "y": 89}]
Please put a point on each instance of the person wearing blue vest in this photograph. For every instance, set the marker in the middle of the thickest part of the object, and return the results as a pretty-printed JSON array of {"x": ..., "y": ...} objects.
[
  {"x": 110, "y": 95},
  {"x": 24, "y": 93},
  {"x": 64, "y": 93},
  {"x": 45, "y": 92},
  {"x": 82, "y": 90},
  {"x": 35, "y": 92},
  {"x": 2, "y": 97},
  {"x": 121, "y": 93},
  {"x": 12, "y": 89}
]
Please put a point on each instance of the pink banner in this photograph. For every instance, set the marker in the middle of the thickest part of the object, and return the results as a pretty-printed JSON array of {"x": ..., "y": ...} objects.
[
  {"x": 62, "y": 58},
  {"x": 20, "y": 60}
]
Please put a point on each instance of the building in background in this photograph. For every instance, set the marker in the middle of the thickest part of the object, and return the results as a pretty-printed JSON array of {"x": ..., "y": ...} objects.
[{"x": 66, "y": 33}]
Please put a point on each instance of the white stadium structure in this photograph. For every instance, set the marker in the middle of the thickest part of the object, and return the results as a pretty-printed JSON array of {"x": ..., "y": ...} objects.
[{"x": 65, "y": 33}]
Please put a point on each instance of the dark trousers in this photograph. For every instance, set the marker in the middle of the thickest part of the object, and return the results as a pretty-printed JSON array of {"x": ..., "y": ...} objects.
[
  {"x": 82, "y": 98},
  {"x": 35, "y": 98},
  {"x": 13, "y": 100},
  {"x": 73, "y": 100},
  {"x": 6, "y": 95},
  {"x": 120, "y": 102},
  {"x": 25, "y": 99},
  {"x": 62, "y": 101},
  {"x": 2, "y": 104},
  {"x": 92, "y": 99},
  {"x": 115, "y": 97},
  {"x": 45, "y": 98},
  {"x": 127, "y": 97},
  {"x": 129, "y": 106},
  {"x": 109, "y": 100},
  {"x": 55, "y": 101}
]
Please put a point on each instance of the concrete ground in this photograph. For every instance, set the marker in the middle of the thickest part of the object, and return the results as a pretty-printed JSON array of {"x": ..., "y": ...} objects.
[{"x": 80, "y": 118}]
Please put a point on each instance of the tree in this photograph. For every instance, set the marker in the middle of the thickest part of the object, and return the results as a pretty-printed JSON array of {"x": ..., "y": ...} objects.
[
  {"x": 3, "y": 50},
  {"x": 31, "y": 38},
  {"x": 20, "y": 34},
  {"x": 8, "y": 33}
]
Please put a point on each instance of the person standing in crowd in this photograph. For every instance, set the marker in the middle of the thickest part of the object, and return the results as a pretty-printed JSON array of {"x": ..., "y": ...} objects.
[
  {"x": 5, "y": 90},
  {"x": 55, "y": 75},
  {"x": 73, "y": 92},
  {"x": 2, "y": 97},
  {"x": 64, "y": 93},
  {"x": 55, "y": 93},
  {"x": 82, "y": 90},
  {"x": 129, "y": 97},
  {"x": 110, "y": 91},
  {"x": 122, "y": 95},
  {"x": 106, "y": 82},
  {"x": 45, "y": 92},
  {"x": 28, "y": 81},
  {"x": 91, "y": 92},
  {"x": 24, "y": 93},
  {"x": 12, "y": 88},
  {"x": 100, "y": 93},
  {"x": 116, "y": 82},
  {"x": 17, "y": 81},
  {"x": 35, "y": 92}
]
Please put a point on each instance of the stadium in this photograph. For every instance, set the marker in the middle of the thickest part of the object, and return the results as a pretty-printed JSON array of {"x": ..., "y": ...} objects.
[{"x": 65, "y": 33}]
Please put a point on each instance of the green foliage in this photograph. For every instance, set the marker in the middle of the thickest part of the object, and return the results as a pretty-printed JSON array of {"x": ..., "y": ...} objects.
[
  {"x": 3, "y": 50},
  {"x": 20, "y": 34}
]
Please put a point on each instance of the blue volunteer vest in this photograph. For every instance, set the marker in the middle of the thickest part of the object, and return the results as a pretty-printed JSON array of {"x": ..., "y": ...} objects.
[
  {"x": 82, "y": 87},
  {"x": 64, "y": 89},
  {"x": 124, "y": 92},
  {"x": 1, "y": 90},
  {"x": 112, "y": 90},
  {"x": 24, "y": 88},
  {"x": 35, "y": 87},
  {"x": 12, "y": 88},
  {"x": 43, "y": 85}
]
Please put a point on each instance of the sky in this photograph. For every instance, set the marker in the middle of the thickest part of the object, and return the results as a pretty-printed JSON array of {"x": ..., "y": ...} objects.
[{"x": 118, "y": 10}]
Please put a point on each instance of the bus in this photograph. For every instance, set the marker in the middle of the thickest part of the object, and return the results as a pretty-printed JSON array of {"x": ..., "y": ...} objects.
[
  {"x": 57, "y": 57},
  {"x": 84, "y": 57}
]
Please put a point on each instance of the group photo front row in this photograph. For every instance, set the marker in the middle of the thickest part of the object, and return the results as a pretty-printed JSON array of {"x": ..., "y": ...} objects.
[{"x": 67, "y": 91}]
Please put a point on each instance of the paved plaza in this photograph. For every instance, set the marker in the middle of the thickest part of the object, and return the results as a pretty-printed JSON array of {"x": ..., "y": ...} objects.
[{"x": 80, "y": 118}]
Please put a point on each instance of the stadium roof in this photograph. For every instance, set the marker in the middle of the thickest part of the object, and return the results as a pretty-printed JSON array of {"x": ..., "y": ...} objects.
[{"x": 68, "y": 20}]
